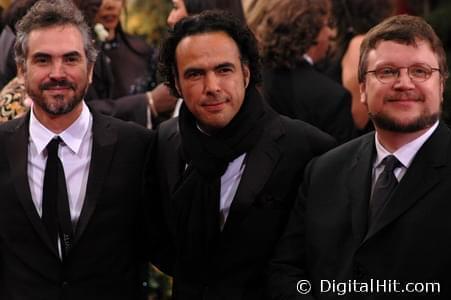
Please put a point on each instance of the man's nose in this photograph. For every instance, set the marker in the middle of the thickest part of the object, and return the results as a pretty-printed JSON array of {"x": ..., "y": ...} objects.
[
  {"x": 57, "y": 70},
  {"x": 403, "y": 81},
  {"x": 212, "y": 83}
]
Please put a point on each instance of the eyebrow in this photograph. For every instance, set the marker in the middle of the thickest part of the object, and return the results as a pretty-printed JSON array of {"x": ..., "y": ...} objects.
[
  {"x": 217, "y": 67},
  {"x": 224, "y": 65},
  {"x": 44, "y": 54}
]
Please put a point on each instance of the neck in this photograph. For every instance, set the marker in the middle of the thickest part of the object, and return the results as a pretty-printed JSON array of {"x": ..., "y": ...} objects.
[
  {"x": 57, "y": 123},
  {"x": 392, "y": 141},
  {"x": 111, "y": 34}
]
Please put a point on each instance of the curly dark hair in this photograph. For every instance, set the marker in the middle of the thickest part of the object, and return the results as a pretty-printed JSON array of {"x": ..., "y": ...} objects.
[
  {"x": 209, "y": 21},
  {"x": 289, "y": 30}
]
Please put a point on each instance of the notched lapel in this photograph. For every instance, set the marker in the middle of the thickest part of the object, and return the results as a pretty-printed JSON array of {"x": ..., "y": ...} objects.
[
  {"x": 260, "y": 163},
  {"x": 17, "y": 151},
  {"x": 174, "y": 165},
  {"x": 103, "y": 144},
  {"x": 359, "y": 187},
  {"x": 422, "y": 175}
]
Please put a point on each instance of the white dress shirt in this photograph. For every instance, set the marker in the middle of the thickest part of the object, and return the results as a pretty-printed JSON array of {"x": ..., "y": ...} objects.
[
  {"x": 229, "y": 185},
  {"x": 405, "y": 155},
  {"x": 74, "y": 153}
]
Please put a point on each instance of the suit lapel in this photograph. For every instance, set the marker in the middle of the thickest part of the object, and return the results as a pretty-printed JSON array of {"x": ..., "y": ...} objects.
[
  {"x": 103, "y": 144},
  {"x": 174, "y": 165},
  {"x": 17, "y": 151},
  {"x": 260, "y": 162},
  {"x": 359, "y": 186},
  {"x": 422, "y": 175}
]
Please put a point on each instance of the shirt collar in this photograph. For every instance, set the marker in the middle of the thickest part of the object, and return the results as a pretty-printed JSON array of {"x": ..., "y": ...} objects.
[
  {"x": 72, "y": 136},
  {"x": 406, "y": 153}
]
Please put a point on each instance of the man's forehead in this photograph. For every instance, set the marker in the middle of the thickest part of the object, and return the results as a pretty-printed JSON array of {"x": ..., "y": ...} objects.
[
  {"x": 56, "y": 40},
  {"x": 207, "y": 46},
  {"x": 392, "y": 49}
]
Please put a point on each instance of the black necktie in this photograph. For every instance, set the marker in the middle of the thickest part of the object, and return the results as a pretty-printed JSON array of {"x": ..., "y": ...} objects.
[
  {"x": 384, "y": 187},
  {"x": 55, "y": 204}
]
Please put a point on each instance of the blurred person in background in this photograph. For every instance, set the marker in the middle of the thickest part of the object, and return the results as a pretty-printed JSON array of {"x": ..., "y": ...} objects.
[
  {"x": 127, "y": 72},
  {"x": 354, "y": 19},
  {"x": 11, "y": 15},
  {"x": 255, "y": 11},
  {"x": 293, "y": 36},
  {"x": 183, "y": 8}
]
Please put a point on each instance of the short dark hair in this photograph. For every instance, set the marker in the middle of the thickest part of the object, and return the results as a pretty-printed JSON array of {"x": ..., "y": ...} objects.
[
  {"x": 49, "y": 13},
  {"x": 406, "y": 30},
  {"x": 205, "y": 22}
]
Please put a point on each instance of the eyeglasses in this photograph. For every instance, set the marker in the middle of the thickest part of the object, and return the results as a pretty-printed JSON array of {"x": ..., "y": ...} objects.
[{"x": 417, "y": 73}]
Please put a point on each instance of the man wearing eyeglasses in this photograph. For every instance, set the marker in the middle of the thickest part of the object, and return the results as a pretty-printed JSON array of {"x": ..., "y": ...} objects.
[{"x": 372, "y": 219}]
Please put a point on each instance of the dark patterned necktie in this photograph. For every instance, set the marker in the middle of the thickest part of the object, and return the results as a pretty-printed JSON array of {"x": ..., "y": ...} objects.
[
  {"x": 55, "y": 204},
  {"x": 384, "y": 187}
]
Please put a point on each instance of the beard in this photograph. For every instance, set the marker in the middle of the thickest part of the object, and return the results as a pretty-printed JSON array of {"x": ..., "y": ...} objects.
[
  {"x": 425, "y": 120},
  {"x": 57, "y": 104},
  {"x": 383, "y": 121}
]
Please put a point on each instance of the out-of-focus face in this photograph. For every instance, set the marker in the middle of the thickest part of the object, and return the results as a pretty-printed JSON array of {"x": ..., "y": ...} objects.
[
  {"x": 402, "y": 105},
  {"x": 211, "y": 78},
  {"x": 178, "y": 11},
  {"x": 56, "y": 71},
  {"x": 319, "y": 51},
  {"x": 109, "y": 14},
  {"x": 89, "y": 8}
]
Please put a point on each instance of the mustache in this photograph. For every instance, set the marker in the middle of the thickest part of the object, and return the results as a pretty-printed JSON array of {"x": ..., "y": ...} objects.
[
  {"x": 214, "y": 99},
  {"x": 57, "y": 84},
  {"x": 407, "y": 95}
]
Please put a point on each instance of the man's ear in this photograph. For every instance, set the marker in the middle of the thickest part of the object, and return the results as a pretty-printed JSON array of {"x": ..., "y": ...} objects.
[
  {"x": 20, "y": 71},
  {"x": 177, "y": 87},
  {"x": 246, "y": 75},
  {"x": 90, "y": 72},
  {"x": 362, "y": 87}
]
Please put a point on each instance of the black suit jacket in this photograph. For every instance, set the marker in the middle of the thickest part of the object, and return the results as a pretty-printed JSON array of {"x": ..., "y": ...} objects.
[
  {"x": 305, "y": 94},
  {"x": 257, "y": 215},
  {"x": 328, "y": 238},
  {"x": 108, "y": 250}
]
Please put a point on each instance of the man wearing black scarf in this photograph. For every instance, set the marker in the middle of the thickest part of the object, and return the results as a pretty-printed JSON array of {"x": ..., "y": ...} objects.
[{"x": 228, "y": 169}]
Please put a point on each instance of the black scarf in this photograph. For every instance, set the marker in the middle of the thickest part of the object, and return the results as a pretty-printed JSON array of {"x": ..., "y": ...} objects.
[{"x": 198, "y": 195}]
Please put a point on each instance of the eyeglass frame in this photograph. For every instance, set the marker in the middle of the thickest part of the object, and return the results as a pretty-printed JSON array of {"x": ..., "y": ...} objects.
[{"x": 398, "y": 73}]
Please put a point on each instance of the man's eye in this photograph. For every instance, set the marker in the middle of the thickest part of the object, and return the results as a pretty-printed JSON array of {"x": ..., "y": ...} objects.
[
  {"x": 41, "y": 60},
  {"x": 387, "y": 72},
  {"x": 419, "y": 72},
  {"x": 71, "y": 59},
  {"x": 224, "y": 70},
  {"x": 193, "y": 75}
]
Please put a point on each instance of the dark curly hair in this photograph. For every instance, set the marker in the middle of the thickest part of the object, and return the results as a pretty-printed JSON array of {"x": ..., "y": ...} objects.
[
  {"x": 289, "y": 30},
  {"x": 209, "y": 21}
]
